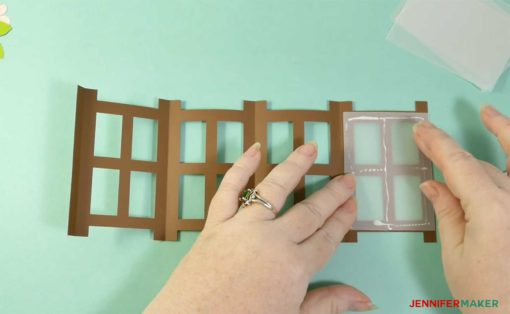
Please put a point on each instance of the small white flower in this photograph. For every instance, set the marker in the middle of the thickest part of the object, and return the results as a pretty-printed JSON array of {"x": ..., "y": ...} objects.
[{"x": 4, "y": 18}]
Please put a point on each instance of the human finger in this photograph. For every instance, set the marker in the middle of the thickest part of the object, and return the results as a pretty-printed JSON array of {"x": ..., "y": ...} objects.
[
  {"x": 499, "y": 125},
  {"x": 334, "y": 300},
  {"x": 321, "y": 245},
  {"x": 225, "y": 202},
  {"x": 281, "y": 181},
  {"x": 498, "y": 177},
  {"x": 464, "y": 175},
  {"x": 304, "y": 218},
  {"x": 449, "y": 213}
]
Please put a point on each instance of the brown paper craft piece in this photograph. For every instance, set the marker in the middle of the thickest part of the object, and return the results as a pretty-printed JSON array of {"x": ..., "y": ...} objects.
[{"x": 168, "y": 168}]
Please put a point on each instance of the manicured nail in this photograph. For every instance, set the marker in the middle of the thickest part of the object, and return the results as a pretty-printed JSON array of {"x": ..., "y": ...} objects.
[
  {"x": 429, "y": 190},
  {"x": 253, "y": 150},
  {"x": 489, "y": 111},
  {"x": 422, "y": 124},
  {"x": 308, "y": 149},
  {"x": 363, "y": 306}
]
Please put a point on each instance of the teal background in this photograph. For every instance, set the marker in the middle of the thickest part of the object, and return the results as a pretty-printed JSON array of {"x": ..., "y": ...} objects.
[{"x": 212, "y": 54}]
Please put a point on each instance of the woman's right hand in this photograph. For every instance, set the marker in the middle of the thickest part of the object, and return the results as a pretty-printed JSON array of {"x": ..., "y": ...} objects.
[{"x": 473, "y": 209}]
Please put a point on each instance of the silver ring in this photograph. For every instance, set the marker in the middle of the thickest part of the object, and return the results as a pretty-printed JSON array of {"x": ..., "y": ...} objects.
[{"x": 250, "y": 196}]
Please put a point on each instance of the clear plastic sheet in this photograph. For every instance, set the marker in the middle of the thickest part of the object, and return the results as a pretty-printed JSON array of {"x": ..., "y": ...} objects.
[
  {"x": 470, "y": 38},
  {"x": 380, "y": 152}
]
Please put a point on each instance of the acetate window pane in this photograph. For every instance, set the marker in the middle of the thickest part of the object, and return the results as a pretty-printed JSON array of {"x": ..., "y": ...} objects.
[
  {"x": 387, "y": 193},
  {"x": 408, "y": 198},
  {"x": 404, "y": 150},
  {"x": 367, "y": 143},
  {"x": 370, "y": 198}
]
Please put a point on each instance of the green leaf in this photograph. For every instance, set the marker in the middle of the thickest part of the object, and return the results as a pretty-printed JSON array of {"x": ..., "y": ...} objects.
[
  {"x": 1, "y": 52},
  {"x": 4, "y": 28}
]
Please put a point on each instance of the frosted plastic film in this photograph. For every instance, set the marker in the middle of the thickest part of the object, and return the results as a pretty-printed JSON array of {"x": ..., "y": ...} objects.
[
  {"x": 471, "y": 38},
  {"x": 388, "y": 187}
]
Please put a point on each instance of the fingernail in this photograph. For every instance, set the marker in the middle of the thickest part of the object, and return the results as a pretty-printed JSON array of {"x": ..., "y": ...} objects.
[
  {"x": 253, "y": 150},
  {"x": 429, "y": 190},
  {"x": 363, "y": 306},
  {"x": 422, "y": 124},
  {"x": 489, "y": 111},
  {"x": 349, "y": 181},
  {"x": 308, "y": 149}
]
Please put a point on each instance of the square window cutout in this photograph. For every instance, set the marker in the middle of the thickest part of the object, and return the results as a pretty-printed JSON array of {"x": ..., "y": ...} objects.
[
  {"x": 367, "y": 143},
  {"x": 145, "y": 139},
  {"x": 105, "y": 192},
  {"x": 142, "y": 195},
  {"x": 319, "y": 131},
  {"x": 404, "y": 149},
  {"x": 192, "y": 197},
  {"x": 408, "y": 198},
  {"x": 108, "y": 135},
  {"x": 193, "y": 137},
  {"x": 314, "y": 183},
  {"x": 280, "y": 139},
  {"x": 370, "y": 198},
  {"x": 230, "y": 141}
]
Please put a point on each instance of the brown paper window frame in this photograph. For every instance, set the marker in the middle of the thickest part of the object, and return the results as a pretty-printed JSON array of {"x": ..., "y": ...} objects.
[{"x": 169, "y": 115}]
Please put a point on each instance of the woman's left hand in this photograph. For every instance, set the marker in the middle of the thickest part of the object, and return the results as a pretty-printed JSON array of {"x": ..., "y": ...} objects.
[{"x": 251, "y": 261}]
